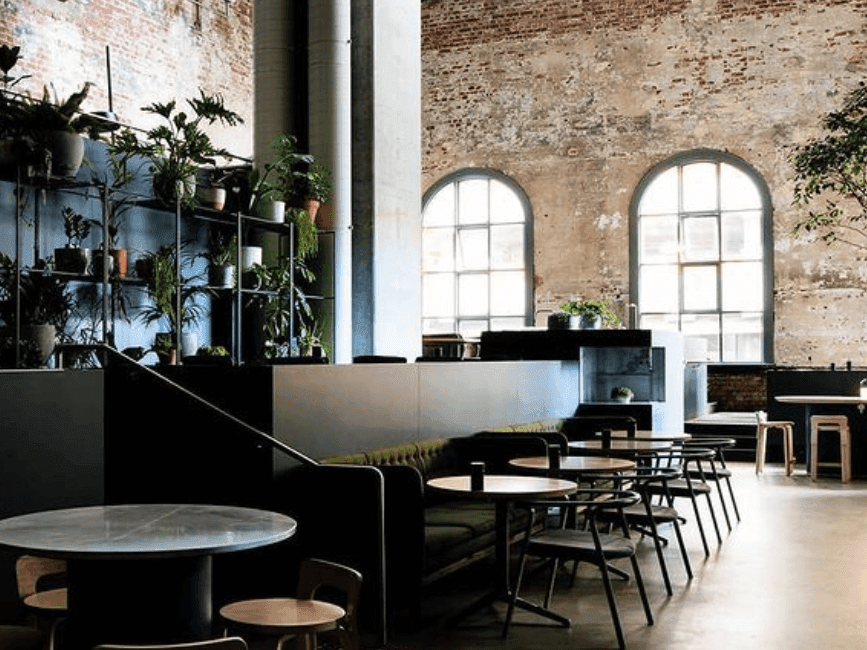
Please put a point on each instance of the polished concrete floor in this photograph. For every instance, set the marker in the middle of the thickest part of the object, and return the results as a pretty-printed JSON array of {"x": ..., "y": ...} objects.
[{"x": 791, "y": 575}]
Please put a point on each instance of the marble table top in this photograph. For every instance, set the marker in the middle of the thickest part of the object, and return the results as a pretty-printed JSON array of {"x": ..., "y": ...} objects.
[
  {"x": 506, "y": 486},
  {"x": 144, "y": 531},
  {"x": 576, "y": 464},
  {"x": 822, "y": 399}
]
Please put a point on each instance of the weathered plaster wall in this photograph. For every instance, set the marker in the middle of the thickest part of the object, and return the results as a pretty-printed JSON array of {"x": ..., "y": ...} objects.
[
  {"x": 160, "y": 50},
  {"x": 578, "y": 100}
]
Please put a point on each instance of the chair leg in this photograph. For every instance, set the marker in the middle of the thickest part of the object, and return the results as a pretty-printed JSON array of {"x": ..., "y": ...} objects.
[
  {"x": 789, "y": 445},
  {"x": 732, "y": 495},
  {"x": 639, "y": 581},
  {"x": 683, "y": 553},
  {"x": 713, "y": 518},
  {"x": 760, "y": 450},
  {"x": 612, "y": 604},
  {"x": 718, "y": 484},
  {"x": 661, "y": 556}
]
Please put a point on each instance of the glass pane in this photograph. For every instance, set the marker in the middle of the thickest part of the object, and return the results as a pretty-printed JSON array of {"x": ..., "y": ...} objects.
[
  {"x": 699, "y": 187},
  {"x": 658, "y": 289},
  {"x": 473, "y": 294},
  {"x": 438, "y": 294},
  {"x": 472, "y": 252},
  {"x": 705, "y": 327},
  {"x": 699, "y": 288},
  {"x": 437, "y": 249},
  {"x": 742, "y": 337},
  {"x": 507, "y": 247},
  {"x": 506, "y": 206},
  {"x": 437, "y": 325},
  {"x": 508, "y": 323},
  {"x": 742, "y": 235},
  {"x": 660, "y": 196},
  {"x": 700, "y": 239},
  {"x": 657, "y": 239},
  {"x": 440, "y": 208},
  {"x": 742, "y": 286},
  {"x": 665, "y": 322},
  {"x": 473, "y": 201},
  {"x": 508, "y": 293},
  {"x": 737, "y": 190},
  {"x": 472, "y": 329}
]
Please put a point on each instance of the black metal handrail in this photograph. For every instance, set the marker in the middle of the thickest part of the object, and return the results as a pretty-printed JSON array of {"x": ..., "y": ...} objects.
[{"x": 261, "y": 435}]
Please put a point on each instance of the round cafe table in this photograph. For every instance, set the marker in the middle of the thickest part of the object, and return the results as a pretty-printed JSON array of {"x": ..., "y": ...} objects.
[
  {"x": 503, "y": 490},
  {"x": 620, "y": 448},
  {"x": 141, "y": 574},
  {"x": 577, "y": 465},
  {"x": 652, "y": 436}
]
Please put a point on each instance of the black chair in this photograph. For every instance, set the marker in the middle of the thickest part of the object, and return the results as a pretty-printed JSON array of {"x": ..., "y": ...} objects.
[
  {"x": 646, "y": 517},
  {"x": 559, "y": 543},
  {"x": 691, "y": 486},
  {"x": 586, "y": 427},
  {"x": 718, "y": 472}
]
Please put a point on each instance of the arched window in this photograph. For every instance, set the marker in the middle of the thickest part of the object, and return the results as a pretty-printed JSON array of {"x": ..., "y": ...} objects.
[
  {"x": 701, "y": 256},
  {"x": 476, "y": 255}
]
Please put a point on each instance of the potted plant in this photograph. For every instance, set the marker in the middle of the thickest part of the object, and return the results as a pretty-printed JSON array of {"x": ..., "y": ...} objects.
[
  {"x": 163, "y": 284},
  {"x": 283, "y": 300},
  {"x": 12, "y": 112},
  {"x": 313, "y": 187},
  {"x": 73, "y": 258},
  {"x": 589, "y": 314},
  {"x": 176, "y": 149},
  {"x": 222, "y": 255},
  {"x": 622, "y": 394},
  {"x": 52, "y": 132},
  {"x": 45, "y": 306},
  {"x": 211, "y": 190},
  {"x": 211, "y": 355}
]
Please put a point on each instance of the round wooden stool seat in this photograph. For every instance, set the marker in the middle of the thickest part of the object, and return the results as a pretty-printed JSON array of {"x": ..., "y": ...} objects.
[
  {"x": 283, "y": 617},
  {"x": 53, "y": 600}
]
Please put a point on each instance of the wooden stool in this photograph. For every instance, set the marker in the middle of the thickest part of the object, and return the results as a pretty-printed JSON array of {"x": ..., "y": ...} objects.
[
  {"x": 785, "y": 428},
  {"x": 284, "y": 618},
  {"x": 829, "y": 423}
]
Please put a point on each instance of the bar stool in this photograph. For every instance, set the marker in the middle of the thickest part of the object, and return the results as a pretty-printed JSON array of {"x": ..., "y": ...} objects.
[
  {"x": 762, "y": 429},
  {"x": 830, "y": 423}
]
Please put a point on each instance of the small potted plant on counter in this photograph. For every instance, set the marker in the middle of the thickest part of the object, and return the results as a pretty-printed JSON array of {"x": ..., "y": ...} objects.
[
  {"x": 622, "y": 394},
  {"x": 73, "y": 258},
  {"x": 589, "y": 314}
]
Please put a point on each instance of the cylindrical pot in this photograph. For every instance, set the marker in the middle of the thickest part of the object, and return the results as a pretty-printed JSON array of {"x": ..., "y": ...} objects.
[
  {"x": 623, "y": 400},
  {"x": 271, "y": 210},
  {"x": 312, "y": 206},
  {"x": 71, "y": 259},
  {"x": 250, "y": 255},
  {"x": 587, "y": 322},
  {"x": 67, "y": 152},
  {"x": 189, "y": 344},
  {"x": 222, "y": 276},
  {"x": 212, "y": 197},
  {"x": 45, "y": 337},
  {"x": 121, "y": 263},
  {"x": 96, "y": 267}
]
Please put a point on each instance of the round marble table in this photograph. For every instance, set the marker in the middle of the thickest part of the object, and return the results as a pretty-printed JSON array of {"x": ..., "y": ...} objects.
[
  {"x": 577, "y": 465},
  {"x": 621, "y": 448},
  {"x": 653, "y": 436},
  {"x": 141, "y": 573},
  {"x": 502, "y": 490}
]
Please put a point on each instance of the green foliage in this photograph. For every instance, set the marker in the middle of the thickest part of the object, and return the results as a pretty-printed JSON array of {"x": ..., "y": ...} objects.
[
  {"x": 45, "y": 297},
  {"x": 591, "y": 309},
  {"x": 622, "y": 391},
  {"x": 306, "y": 232},
  {"x": 162, "y": 282},
  {"x": 177, "y": 148},
  {"x": 830, "y": 173},
  {"x": 76, "y": 226},
  {"x": 212, "y": 351},
  {"x": 285, "y": 286}
]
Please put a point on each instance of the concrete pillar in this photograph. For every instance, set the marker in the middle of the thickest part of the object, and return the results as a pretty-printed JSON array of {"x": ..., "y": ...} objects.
[
  {"x": 386, "y": 199},
  {"x": 330, "y": 138}
]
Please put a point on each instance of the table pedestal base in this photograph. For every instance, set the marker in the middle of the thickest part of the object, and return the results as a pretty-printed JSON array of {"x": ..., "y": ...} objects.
[{"x": 132, "y": 602}]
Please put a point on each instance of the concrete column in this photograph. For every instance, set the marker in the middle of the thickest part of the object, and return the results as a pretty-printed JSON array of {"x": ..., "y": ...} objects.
[
  {"x": 330, "y": 138},
  {"x": 386, "y": 105}
]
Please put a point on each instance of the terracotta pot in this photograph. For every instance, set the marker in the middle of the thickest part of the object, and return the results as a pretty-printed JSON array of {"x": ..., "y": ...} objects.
[
  {"x": 121, "y": 264},
  {"x": 212, "y": 197},
  {"x": 312, "y": 206}
]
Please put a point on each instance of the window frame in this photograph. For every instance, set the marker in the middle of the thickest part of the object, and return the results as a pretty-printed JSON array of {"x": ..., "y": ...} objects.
[
  {"x": 715, "y": 157},
  {"x": 475, "y": 173}
]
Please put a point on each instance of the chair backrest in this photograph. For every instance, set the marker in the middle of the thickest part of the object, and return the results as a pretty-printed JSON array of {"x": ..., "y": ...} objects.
[
  {"x": 336, "y": 583},
  {"x": 223, "y": 643},
  {"x": 31, "y": 573}
]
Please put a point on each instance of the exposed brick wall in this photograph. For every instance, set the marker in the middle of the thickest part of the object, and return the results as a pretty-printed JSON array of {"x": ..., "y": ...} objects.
[
  {"x": 737, "y": 389},
  {"x": 577, "y": 101},
  {"x": 160, "y": 50}
]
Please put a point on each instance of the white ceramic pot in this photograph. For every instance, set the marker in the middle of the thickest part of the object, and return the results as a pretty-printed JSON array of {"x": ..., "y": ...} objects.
[
  {"x": 250, "y": 255},
  {"x": 212, "y": 197},
  {"x": 274, "y": 211}
]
